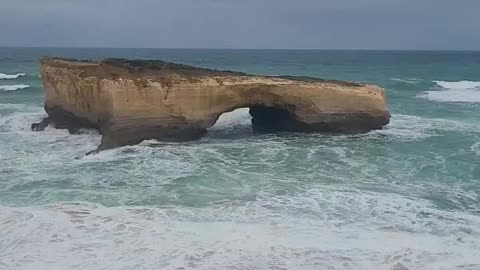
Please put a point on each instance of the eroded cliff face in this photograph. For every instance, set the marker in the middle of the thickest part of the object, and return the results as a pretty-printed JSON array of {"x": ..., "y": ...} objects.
[{"x": 130, "y": 101}]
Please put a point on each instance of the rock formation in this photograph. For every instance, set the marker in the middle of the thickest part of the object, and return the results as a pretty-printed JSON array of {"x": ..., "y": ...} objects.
[{"x": 129, "y": 101}]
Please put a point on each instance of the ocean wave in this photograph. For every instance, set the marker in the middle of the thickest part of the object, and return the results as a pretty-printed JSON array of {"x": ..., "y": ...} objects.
[
  {"x": 453, "y": 96},
  {"x": 406, "y": 127},
  {"x": 8, "y": 77},
  {"x": 411, "y": 127},
  {"x": 54, "y": 146},
  {"x": 14, "y": 87},
  {"x": 19, "y": 121},
  {"x": 322, "y": 228},
  {"x": 233, "y": 218},
  {"x": 454, "y": 92},
  {"x": 458, "y": 85},
  {"x": 402, "y": 127}
]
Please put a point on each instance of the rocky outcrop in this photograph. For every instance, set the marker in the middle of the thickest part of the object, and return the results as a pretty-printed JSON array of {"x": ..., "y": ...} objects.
[{"x": 132, "y": 100}]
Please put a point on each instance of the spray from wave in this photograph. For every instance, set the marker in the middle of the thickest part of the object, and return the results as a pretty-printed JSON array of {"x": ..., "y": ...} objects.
[
  {"x": 456, "y": 92},
  {"x": 9, "y": 77},
  {"x": 14, "y": 87}
]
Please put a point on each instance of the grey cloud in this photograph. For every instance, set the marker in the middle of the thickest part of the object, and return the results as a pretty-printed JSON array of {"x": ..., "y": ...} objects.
[{"x": 342, "y": 24}]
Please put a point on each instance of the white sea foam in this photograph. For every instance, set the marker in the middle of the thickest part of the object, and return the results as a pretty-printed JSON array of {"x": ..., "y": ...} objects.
[
  {"x": 234, "y": 118},
  {"x": 460, "y": 91},
  {"x": 231, "y": 216},
  {"x": 458, "y": 85},
  {"x": 18, "y": 126},
  {"x": 406, "y": 127},
  {"x": 263, "y": 202},
  {"x": 459, "y": 96},
  {"x": 12, "y": 76},
  {"x": 13, "y": 87},
  {"x": 411, "y": 127},
  {"x": 403, "y": 127},
  {"x": 20, "y": 121},
  {"x": 321, "y": 228}
]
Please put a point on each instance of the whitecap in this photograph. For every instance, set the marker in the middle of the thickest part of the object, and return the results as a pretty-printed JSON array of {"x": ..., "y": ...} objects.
[
  {"x": 456, "y": 96},
  {"x": 458, "y": 85},
  {"x": 14, "y": 87},
  {"x": 450, "y": 91},
  {"x": 12, "y": 76}
]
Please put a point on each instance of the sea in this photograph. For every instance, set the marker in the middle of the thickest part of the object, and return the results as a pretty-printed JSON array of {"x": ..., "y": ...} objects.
[{"x": 404, "y": 196}]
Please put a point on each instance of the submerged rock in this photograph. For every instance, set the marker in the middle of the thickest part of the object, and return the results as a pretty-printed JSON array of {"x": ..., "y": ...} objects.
[
  {"x": 129, "y": 101},
  {"x": 42, "y": 125}
]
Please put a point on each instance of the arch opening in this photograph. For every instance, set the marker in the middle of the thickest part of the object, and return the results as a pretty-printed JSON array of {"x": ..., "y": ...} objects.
[
  {"x": 259, "y": 118},
  {"x": 271, "y": 119}
]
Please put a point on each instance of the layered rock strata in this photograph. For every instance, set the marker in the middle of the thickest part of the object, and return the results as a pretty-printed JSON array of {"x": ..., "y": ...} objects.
[{"x": 129, "y": 101}]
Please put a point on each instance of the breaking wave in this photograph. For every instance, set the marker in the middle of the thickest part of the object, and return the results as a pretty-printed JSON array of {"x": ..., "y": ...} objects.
[
  {"x": 459, "y": 85},
  {"x": 14, "y": 87},
  {"x": 240, "y": 217},
  {"x": 454, "y": 96},
  {"x": 458, "y": 92},
  {"x": 411, "y": 128},
  {"x": 9, "y": 77},
  {"x": 322, "y": 228}
]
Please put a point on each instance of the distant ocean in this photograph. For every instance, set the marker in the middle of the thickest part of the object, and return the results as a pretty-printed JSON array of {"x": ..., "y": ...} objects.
[{"x": 408, "y": 194}]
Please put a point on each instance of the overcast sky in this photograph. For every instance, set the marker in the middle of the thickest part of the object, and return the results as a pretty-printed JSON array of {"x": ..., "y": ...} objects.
[{"x": 316, "y": 24}]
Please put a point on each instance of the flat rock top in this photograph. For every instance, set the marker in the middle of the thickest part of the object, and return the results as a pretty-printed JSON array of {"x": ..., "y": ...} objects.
[{"x": 119, "y": 67}]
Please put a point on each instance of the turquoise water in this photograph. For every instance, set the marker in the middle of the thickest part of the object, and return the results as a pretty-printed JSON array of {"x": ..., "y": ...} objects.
[{"x": 407, "y": 194}]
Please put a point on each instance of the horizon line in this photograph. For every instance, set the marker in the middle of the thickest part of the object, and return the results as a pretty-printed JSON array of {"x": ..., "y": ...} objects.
[{"x": 279, "y": 49}]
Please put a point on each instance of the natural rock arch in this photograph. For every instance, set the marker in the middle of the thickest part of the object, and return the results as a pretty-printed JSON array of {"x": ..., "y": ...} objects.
[
  {"x": 132, "y": 100},
  {"x": 266, "y": 118}
]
